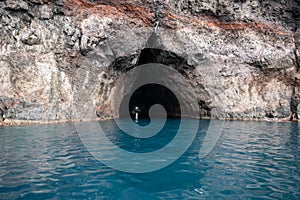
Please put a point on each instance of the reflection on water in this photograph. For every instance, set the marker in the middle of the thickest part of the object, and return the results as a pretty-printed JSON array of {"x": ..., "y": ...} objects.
[{"x": 251, "y": 160}]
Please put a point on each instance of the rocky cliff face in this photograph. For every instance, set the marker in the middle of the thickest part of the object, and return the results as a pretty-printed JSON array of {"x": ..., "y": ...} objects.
[{"x": 242, "y": 57}]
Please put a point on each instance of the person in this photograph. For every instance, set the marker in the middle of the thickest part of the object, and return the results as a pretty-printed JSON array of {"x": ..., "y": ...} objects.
[
  {"x": 295, "y": 100},
  {"x": 136, "y": 112}
]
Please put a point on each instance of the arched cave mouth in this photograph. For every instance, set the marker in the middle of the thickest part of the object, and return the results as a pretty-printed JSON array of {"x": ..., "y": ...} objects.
[{"x": 148, "y": 95}]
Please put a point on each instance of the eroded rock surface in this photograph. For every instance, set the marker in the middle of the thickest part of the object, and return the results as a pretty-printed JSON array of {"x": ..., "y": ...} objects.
[{"x": 64, "y": 56}]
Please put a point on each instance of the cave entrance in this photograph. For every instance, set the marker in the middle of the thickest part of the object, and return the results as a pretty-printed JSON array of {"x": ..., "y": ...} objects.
[
  {"x": 148, "y": 95},
  {"x": 151, "y": 94}
]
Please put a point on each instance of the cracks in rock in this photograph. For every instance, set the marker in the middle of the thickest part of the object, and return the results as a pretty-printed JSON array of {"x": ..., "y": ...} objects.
[
  {"x": 151, "y": 55},
  {"x": 297, "y": 60},
  {"x": 260, "y": 64},
  {"x": 295, "y": 83},
  {"x": 297, "y": 44},
  {"x": 123, "y": 64},
  {"x": 296, "y": 36},
  {"x": 204, "y": 107}
]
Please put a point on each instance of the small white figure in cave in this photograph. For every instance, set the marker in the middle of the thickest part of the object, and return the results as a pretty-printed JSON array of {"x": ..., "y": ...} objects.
[{"x": 136, "y": 113}]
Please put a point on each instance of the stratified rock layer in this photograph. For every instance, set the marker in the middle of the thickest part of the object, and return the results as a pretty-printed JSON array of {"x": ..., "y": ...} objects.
[{"x": 58, "y": 57}]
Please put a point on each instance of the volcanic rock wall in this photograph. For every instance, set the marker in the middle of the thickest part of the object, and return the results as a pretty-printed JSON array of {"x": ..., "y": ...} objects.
[{"x": 241, "y": 57}]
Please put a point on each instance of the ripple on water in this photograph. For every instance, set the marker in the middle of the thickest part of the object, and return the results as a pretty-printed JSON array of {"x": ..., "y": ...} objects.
[{"x": 251, "y": 161}]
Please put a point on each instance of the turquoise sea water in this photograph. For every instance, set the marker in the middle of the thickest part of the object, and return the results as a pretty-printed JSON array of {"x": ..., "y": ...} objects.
[{"x": 252, "y": 160}]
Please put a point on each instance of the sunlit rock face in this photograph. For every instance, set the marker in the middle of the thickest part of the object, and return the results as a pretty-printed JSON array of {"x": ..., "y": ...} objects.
[{"x": 62, "y": 57}]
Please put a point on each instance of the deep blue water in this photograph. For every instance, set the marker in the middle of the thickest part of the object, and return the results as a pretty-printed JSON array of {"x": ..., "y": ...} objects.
[{"x": 252, "y": 160}]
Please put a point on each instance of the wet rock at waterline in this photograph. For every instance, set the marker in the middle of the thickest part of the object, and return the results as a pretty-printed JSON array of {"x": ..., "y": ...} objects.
[
  {"x": 295, "y": 101},
  {"x": 61, "y": 56}
]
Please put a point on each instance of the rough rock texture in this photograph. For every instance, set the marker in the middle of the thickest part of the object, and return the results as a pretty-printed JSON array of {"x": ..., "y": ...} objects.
[{"x": 242, "y": 57}]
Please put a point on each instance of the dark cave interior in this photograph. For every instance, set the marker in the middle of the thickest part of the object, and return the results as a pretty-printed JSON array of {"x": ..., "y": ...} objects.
[{"x": 150, "y": 94}]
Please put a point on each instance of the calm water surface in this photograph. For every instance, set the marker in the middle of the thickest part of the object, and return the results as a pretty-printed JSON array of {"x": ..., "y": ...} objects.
[{"x": 252, "y": 160}]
